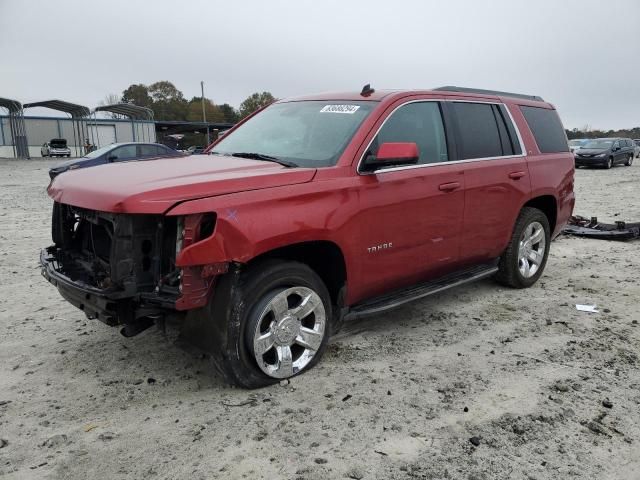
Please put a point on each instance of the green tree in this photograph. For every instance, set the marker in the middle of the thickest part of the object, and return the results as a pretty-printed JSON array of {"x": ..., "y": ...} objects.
[
  {"x": 254, "y": 102},
  {"x": 165, "y": 91},
  {"x": 137, "y": 94},
  {"x": 230, "y": 114},
  {"x": 168, "y": 102},
  {"x": 213, "y": 112}
]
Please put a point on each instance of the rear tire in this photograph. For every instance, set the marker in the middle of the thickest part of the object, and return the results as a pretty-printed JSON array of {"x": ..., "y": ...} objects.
[
  {"x": 629, "y": 160},
  {"x": 523, "y": 262},
  {"x": 279, "y": 305}
]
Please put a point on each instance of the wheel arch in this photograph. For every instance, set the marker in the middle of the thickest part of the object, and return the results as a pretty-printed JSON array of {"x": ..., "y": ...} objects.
[
  {"x": 323, "y": 256},
  {"x": 548, "y": 205}
]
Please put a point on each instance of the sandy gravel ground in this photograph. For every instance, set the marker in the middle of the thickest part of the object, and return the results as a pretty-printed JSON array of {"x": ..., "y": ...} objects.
[{"x": 544, "y": 391}]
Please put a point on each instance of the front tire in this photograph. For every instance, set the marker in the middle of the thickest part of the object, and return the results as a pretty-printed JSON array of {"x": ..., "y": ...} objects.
[
  {"x": 284, "y": 312},
  {"x": 523, "y": 262},
  {"x": 609, "y": 163}
]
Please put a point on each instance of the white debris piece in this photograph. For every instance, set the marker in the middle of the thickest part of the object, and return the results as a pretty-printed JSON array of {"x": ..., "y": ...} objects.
[{"x": 587, "y": 308}]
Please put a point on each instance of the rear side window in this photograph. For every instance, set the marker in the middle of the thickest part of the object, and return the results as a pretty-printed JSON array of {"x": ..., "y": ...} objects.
[
  {"x": 419, "y": 123},
  {"x": 546, "y": 128},
  {"x": 150, "y": 151},
  {"x": 478, "y": 131}
]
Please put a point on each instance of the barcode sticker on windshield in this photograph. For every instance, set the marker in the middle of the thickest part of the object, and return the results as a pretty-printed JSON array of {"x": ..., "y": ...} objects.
[{"x": 350, "y": 109}]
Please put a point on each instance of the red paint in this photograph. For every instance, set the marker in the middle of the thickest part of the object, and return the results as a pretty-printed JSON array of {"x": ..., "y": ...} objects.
[
  {"x": 432, "y": 220},
  {"x": 393, "y": 151}
]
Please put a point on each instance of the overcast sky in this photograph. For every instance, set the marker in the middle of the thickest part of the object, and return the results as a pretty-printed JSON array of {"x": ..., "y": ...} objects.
[{"x": 583, "y": 56}]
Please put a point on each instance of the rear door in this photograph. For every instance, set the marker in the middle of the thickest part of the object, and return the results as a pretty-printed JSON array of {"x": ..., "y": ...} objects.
[
  {"x": 496, "y": 177},
  {"x": 410, "y": 216}
]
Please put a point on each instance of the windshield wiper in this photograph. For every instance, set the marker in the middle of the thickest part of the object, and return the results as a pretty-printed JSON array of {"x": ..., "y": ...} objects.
[{"x": 267, "y": 158}]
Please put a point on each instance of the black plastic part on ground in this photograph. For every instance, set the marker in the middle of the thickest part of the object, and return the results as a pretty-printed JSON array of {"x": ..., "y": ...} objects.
[{"x": 591, "y": 228}]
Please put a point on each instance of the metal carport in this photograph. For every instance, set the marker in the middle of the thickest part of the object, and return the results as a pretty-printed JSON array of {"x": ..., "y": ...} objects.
[
  {"x": 133, "y": 112},
  {"x": 17, "y": 127},
  {"x": 78, "y": 114}
]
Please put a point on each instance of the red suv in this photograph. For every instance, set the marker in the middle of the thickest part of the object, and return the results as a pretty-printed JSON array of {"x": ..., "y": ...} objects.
[{"x": 311, "y": 211}]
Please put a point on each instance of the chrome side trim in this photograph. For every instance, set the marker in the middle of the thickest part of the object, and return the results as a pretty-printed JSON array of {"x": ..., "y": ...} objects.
[
  {"x": 453, "y": 162},
  {"x": 437, "y": 164}
]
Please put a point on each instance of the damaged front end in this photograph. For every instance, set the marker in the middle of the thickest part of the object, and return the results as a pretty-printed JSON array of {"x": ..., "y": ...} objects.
[{"x": 121, "y": 268}]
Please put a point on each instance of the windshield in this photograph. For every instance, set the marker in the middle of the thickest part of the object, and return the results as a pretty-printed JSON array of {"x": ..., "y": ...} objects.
[
  {"x": 577, "y": 143},
  {"x": 598, "y": 144},
  {"x": 306, "y": 134},
  {"x": 100, "y": 151}
]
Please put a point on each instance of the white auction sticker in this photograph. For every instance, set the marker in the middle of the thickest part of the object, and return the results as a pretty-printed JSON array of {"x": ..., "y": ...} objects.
[{"x": 350, "y": 109}]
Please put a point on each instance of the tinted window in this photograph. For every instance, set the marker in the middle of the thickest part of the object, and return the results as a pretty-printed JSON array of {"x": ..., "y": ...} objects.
[
  {"x": 419, "y": 123},
  {"x": 123, "y": 153},
  {"x": 546, "y": 128},
  {"x": 478, "y": 131},
  {"x": 148, "y": 150}
]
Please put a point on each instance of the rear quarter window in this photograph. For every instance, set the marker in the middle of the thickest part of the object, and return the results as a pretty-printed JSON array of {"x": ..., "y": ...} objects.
[{"x": 547, "y": 129}]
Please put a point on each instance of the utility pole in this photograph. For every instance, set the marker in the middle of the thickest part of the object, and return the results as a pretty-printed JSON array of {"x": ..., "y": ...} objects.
[{"x": 204, "y": 115}]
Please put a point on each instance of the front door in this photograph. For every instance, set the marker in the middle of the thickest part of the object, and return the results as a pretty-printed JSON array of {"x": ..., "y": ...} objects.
[{"x": 410, "y": 217}]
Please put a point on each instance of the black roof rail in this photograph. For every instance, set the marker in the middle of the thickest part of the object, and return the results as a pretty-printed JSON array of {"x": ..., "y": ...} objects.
[{"x": 451, "y": 88}]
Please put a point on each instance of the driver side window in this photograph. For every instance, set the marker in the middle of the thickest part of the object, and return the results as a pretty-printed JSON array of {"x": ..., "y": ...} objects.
[{"x": 419, "y": 123}]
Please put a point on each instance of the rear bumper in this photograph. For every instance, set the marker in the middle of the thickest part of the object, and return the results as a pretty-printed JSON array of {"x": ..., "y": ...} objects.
[{"x": 111, "y": 306}]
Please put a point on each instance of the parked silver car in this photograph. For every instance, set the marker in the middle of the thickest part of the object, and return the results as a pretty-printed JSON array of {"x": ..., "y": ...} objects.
[{"x": 56, "y": 147}]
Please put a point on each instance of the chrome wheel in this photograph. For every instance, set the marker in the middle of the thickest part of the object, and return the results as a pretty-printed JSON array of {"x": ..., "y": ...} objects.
[
  {"x": 531, "y": 249},
  {"x": 289, "y": 331}
]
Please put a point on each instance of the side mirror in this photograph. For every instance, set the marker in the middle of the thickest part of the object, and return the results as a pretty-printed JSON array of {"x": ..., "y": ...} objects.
[
  {"x": 111, "y": 158},
  {"x": 392, "y": 154}
]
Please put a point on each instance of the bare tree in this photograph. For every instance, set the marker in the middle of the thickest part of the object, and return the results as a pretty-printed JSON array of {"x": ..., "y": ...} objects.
[{"x": 110, "y": 99}]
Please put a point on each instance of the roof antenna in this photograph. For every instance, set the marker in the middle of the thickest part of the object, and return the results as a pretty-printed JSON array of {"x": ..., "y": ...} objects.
[{"x": 367, "y": 90}]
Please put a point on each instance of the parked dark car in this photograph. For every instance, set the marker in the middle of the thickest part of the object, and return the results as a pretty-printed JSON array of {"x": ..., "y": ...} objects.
[
  {"x": 605, "y": 152},
  {"x": 56, "y": 147},
  {"x": 117, "y": 152}
]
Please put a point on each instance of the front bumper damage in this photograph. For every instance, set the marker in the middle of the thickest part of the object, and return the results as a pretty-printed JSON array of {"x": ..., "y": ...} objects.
[
  {"x": 121, "y": 269},
  {"x": 112, "y": 306}
]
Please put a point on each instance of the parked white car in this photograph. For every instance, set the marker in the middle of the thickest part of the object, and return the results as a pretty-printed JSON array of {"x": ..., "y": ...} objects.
[
  {"x": 56, "y": 147},
  {"x": 577, "y": 144}
]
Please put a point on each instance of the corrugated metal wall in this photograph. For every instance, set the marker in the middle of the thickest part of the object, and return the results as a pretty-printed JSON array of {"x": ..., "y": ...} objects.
[{"x": 43, "y": 129}]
